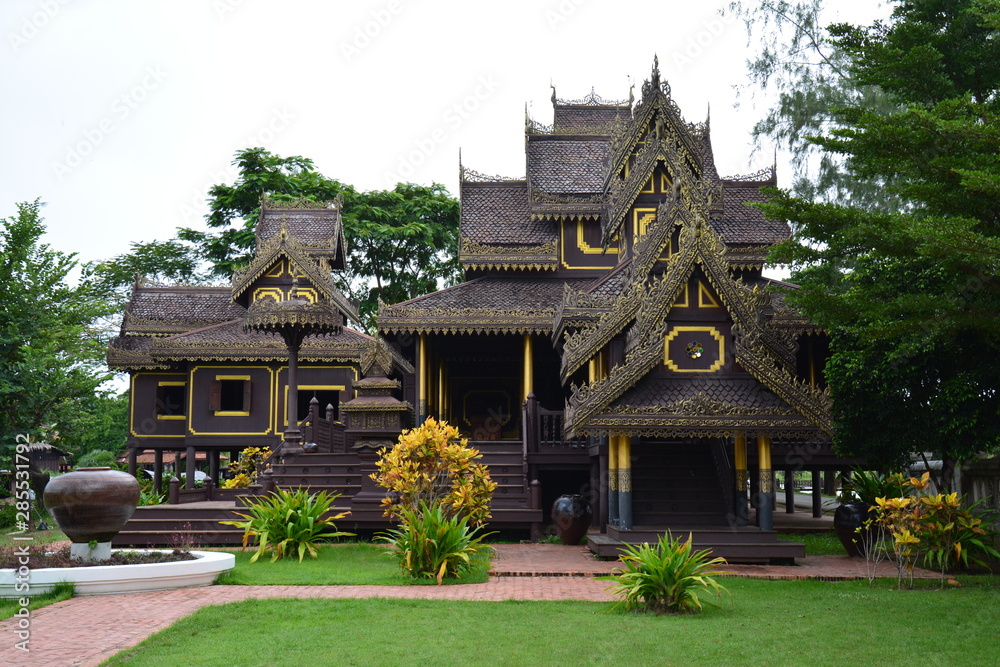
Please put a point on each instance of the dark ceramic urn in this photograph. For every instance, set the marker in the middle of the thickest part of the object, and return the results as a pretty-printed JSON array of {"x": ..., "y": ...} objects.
[
  {"x": 571, "y": 515},
  {"x": 92, "y": 504},
  {"x": 848, "y": 522}
]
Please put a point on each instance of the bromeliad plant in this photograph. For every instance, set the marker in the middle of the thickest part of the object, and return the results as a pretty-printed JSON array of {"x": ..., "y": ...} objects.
[
  {"x": 431, "y": 543},
  {"x": 666, "y": 577},
  {"x": 289, "y": 523}
]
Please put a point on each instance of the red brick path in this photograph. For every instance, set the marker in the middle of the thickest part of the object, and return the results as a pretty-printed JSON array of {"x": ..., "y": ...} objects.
[{"x": 88, "y": 630}]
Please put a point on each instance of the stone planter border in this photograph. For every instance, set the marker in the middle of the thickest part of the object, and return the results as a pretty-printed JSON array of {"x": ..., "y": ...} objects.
[{"x": 114, "y": 579}]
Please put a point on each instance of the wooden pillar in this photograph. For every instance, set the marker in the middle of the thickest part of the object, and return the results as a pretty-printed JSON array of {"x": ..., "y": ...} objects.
[
  {"x": 789, "y": 492},
  {"x": 157, "y": 470},
  {"x": 602, "y": 507},
  {"x": 765, "y": 507},
  {"x": 740, "y": 464},
  {"x": 422, "y": 379},
  {"x": 613, "y": 480},
  {"x": 528, "y": 375},
  {"x": 625, "y": 482},
  {"x": 189, "y": 460},
  {"x": 213, "y": 466},
  {"x": 292, "y": 433},
  {"x": 440, "y": 391},
  {"x": 817, "y": 494},
  {"x": 133, "y": 464}
]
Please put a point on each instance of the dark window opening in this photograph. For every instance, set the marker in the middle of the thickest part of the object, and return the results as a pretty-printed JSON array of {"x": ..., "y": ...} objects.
[
  {"x": 170, "y": 400},
  {"x": 325, "y": 396},
  {"x": 230, "y": 395}
]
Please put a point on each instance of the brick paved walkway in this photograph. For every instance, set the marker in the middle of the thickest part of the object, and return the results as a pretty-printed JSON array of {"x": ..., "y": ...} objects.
[{"x": 88, "y": 630}]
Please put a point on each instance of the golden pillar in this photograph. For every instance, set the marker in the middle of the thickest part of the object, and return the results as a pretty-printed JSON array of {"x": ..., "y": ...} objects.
[
  {"x": 742, "y": 478},
  {"x": 528, "y": 376},
  {"x": 625, "y": 482},
  {"x": 765, "y": 504}
]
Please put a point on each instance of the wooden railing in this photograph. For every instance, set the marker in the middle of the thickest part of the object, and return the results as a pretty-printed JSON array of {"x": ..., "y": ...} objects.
[{"x": 543, "y": 429}]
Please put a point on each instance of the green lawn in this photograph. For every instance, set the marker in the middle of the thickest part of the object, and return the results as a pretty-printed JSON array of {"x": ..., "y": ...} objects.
[
  {"x": 353, "y": 563},
  {"x": 818, "y": 544},
  {"x": 765, "y": 622}
]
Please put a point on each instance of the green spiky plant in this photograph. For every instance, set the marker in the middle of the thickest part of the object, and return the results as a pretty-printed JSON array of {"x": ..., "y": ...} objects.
[
  {"x": 432, "y": 543},
  {"x": 289, "y": 523},
  {"x": 666, "y": 577}
]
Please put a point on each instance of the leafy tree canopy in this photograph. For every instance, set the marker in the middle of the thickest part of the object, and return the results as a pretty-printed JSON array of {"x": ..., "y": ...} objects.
[
  {"x": 915, "y": 323},
  {"x": 401, "y": 242},
  {"x": 52, "y": 345}
]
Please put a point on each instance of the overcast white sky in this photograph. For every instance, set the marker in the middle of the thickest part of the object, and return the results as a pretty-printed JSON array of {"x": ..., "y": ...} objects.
[{"x": 120, "y": 114}]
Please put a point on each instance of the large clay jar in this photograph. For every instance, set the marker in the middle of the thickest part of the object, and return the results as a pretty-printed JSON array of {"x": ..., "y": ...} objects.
[
  {"x": 92, "y": 504},
  {"x": 571, "y": 515},
  {"x": 847, "y": 520}
]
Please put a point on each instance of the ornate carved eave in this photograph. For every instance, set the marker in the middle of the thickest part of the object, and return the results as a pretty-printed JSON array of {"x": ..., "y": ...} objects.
[
  {"x": 542, "y": 257},
  {"x": 405, "y": 319}
]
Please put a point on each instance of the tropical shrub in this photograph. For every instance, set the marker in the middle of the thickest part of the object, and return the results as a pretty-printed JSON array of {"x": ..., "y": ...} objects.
[
  {"x": 934, "y": 527},
  {"x": 243, "y": 472},
  {"x": 289, "y": 523},
  {"x": 666, "y": 577},
  {"x": 97, "y": 458},
  {"x": 432, "y": 543},
  {"x": 430, "y": 466}
]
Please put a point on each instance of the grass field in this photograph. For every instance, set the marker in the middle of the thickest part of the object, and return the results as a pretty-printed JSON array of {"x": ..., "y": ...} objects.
[
  {"x": 764, "y": 622},
  {"x": 357, "y": 563}
]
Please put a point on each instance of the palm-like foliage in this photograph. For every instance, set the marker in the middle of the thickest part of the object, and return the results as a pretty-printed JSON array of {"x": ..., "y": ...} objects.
[
  {"x": 290, "y": 523},
  {"x": 433, "y": 544},
  {"x": 666, "y": 577}
]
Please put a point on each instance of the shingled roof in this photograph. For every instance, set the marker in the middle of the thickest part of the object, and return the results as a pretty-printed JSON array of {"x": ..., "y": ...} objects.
[
  {"x": 567, "y": 166},
  {"x": 743, "y": 224},
  {"x": 587, "y": 117},
  {"x": 165, "y": 309},
  {"x": 499, "y": 213},
  {"x": 499, "y": 305}
]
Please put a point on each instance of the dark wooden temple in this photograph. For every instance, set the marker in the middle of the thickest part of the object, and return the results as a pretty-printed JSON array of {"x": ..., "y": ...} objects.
[{"x": 614, "y": 337}]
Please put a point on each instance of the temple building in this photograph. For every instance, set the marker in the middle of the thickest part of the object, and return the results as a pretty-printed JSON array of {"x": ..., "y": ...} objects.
[{"x": 614, "y": 337}]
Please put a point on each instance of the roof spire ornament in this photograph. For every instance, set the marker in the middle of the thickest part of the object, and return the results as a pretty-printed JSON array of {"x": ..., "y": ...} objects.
[{"x": 553, "y": 87}]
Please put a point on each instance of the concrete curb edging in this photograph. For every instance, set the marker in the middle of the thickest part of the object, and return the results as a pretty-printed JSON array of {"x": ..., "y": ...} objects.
[{"x": 114, "y": 579}]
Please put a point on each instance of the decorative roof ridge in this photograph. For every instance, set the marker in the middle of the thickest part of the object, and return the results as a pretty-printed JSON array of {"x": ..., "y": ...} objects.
[
  {"x": 148, "y": 285},
  {"x": 301, "y": 203},
  {"x": 468, "y": 175},
  {"x": 767, "y": 175},
  {"x": 592, "y": 99},
  {"x": 540, "y": 132},
  {"x": 511, "y": 183}
]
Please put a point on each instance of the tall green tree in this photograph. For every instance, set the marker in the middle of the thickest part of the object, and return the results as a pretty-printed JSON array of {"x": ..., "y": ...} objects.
[
  {"x": 802, "y": 75},
  {"x": 52, "y": 345},
  {"x": 401, "y": 242},
  {"x": 916, "y": 323}
]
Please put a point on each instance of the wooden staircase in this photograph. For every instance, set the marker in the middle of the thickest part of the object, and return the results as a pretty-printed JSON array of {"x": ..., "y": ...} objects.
[{"x": 169, "y": 525}]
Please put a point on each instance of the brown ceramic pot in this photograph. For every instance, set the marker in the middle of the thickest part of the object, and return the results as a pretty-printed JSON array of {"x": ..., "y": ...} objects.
[{"x": 92, "y": 504}]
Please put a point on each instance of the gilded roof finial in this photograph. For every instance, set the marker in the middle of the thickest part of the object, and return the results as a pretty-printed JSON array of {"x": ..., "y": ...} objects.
[{"x": 553, "y": 87}]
